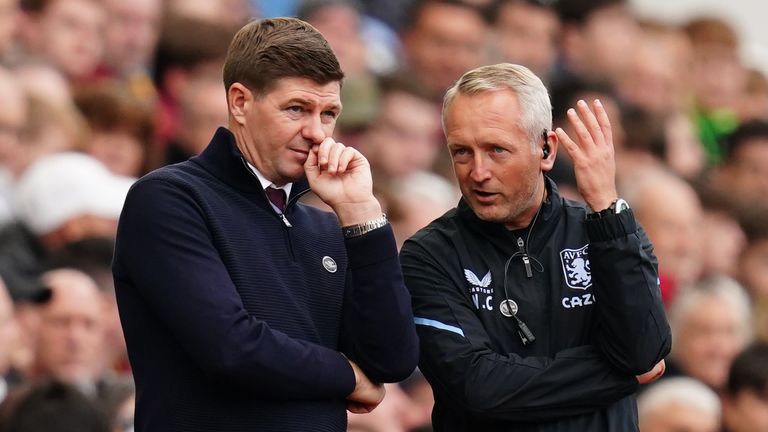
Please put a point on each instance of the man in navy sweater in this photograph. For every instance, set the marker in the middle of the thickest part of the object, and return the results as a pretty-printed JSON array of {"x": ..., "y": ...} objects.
[{"x": 243, "y": 309}]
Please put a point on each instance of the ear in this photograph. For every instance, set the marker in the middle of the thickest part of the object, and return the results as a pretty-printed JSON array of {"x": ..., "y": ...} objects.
[
  {"x": 548, "y": 162},
  {"x": 239, "y": 102}
]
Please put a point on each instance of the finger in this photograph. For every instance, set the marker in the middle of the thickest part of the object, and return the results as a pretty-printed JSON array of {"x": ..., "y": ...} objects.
[
  {"x": 589, "y": 119},
  {"x": 346, "y": 157},
  {"x": 583, "y": 137},
  {"x": 323, "y": 152},
  {"x": 311, "y": 162},
  {"x": 333, "y": 157},
  {"x": 571, "y": 147},
  {"x": 604, "y": 121}
]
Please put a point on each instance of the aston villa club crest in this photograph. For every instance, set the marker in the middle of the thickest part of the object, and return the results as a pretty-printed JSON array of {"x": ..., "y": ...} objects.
[{"x": 576, "y": 268}]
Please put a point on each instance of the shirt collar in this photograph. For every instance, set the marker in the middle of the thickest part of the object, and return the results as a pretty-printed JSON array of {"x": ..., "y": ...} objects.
[{"x": 265, "y": 183}]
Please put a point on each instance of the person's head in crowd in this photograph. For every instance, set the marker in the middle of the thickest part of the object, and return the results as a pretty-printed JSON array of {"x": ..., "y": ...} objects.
[
  {"x": 404, "y": 137},
  {"x": 51, "y": 406},
  {"x": 70, "y": 338},
  {"x": 202, "y": 109},
  {"x": 188, "y": 48},
  {"x": 9, "y": 17},
  {"x": 93, "y": 256},
  {"x": 674, "y": 230},
  {"x": 66, "y": 197},
  {"x": 744, "y": 171},
  {"x": 43, "y": 81},
  {"x": 416, "y": 199},
  {"x": 66, "y": 33},
  {"x": 656, "y": 79},
  {"x": 341, "y": 24},
  {"x": 121, "y": 127},
  {"x": 745, "y": 400},
  {"x": 526, "y": 33},
  {"x": 339, "y": 21},
  {"x": 753, "y": 103},
  {"x": 598, "y": 38},
  {"x": 228, "y": 13},
  {"x": 683, "y": 151},
  {"x": 711, "y": 323},
  {"x": 753, "y": 262},
  {"x": 722, "y": 222},
  {"x": 442, "y": 40},
  {"x": 132, "y": 31},
  {"x": 717, "y": 76},
  {"x": 679, "y": 404},
  {"x": 13, "y": 117}
]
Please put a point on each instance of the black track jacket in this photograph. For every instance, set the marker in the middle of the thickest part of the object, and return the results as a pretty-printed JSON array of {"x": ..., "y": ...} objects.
[{"x": 592, "y": 302}]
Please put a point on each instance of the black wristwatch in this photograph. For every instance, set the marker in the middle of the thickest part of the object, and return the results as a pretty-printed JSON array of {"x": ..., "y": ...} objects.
[{"x": 616, "y": 207}]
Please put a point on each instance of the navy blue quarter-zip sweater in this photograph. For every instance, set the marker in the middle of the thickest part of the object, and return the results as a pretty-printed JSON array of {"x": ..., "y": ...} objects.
[{"x": 236, "y": 317}]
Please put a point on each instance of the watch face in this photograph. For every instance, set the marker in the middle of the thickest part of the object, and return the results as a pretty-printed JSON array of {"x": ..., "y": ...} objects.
[{"x": 621, "y": 205}]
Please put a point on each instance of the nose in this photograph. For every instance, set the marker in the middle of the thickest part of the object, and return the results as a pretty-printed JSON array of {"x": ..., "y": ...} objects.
[
  {"x": 479, "y": 172},
  {"x": 313, "y": 130}
]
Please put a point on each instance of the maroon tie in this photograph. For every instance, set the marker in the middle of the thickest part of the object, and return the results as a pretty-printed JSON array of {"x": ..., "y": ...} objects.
[{"x": 277, "y": 196}]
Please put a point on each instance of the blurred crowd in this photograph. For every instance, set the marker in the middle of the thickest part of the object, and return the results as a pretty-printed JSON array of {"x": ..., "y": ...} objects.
[{"x": 96, "y": 93}]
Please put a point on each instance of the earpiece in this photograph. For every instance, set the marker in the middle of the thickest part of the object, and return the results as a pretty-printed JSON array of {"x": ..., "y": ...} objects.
[{"x": 545, "y": 151}]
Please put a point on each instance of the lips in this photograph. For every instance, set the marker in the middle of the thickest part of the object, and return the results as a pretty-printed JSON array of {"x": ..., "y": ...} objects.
[{"x": 484, "y": 197}]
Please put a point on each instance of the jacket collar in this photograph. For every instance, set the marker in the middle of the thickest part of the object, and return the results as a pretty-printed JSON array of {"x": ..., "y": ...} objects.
[
  {"x": 503, "y": 238},
  {"x": 224, "y": 160}
]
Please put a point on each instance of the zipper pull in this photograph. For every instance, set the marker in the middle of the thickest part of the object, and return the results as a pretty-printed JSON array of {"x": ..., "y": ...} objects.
[
  {"x": 285, "y": 220},
  {"x": 526, "y": 260}
]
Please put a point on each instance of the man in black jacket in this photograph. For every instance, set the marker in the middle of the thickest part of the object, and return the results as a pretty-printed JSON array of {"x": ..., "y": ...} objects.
[{"x": 534, "y": 313}]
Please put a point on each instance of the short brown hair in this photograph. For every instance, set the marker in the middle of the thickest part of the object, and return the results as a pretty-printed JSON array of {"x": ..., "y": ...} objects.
[{"x": 265, "y": 51}]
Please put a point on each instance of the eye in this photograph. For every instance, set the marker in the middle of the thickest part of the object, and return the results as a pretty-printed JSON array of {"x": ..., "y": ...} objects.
[
  {"x": 499, "y": 150},
  {"x": 295, "y": 109},
  {"x": 331, "y": 114}
]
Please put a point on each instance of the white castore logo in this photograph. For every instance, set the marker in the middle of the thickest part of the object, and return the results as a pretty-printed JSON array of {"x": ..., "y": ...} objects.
[
  {"x": 480, "y": 287},
  {"x": 576, "y": 267}
]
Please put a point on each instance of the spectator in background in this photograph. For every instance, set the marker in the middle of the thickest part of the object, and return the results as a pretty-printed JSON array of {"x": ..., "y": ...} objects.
[
  {"x": 753, "y": 103},
  {"x": 416, "y": 199},
  {"x": 721, "y": 222},
  {"x": 44, "y": 82},
  {"x": 70, "y": 339},
  {"x": 711, "y": 323},
  {"x": 60, "y": 199},
  {"x": 753, "y": 264},
  {"x": 93, "y": 256},
  {"x": 130, "y": 40},
  {"x": 679, "y": 404},
  {"x": 201, "y": 111},
  {"x": 188, "y": 48},
  {"x": 527, "y": 33},
  {"x": 226, "y": 13},
  {"x": 51, "y": 407},
  {"x": 598, "y": 39},
  {"x": 744, "y": 171},
  {"x": 745, "y": 399},
  {"x": 656, "y": 79},
  {"x": 717, "y": 79},
  {"x": 404, "y": 137},
  {"x": 121, "y": 127},
  {"x": 340, "y": 22},
  {"x": 442, "y": 40},
  {"x": 65, "y": 33},
  {"x": 674, "y": 229}
]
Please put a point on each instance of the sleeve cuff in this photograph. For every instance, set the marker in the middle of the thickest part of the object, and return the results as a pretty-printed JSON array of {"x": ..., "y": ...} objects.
[
  {"x": 372, "y": 247},
  {"x": 611, "y": 227}
]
